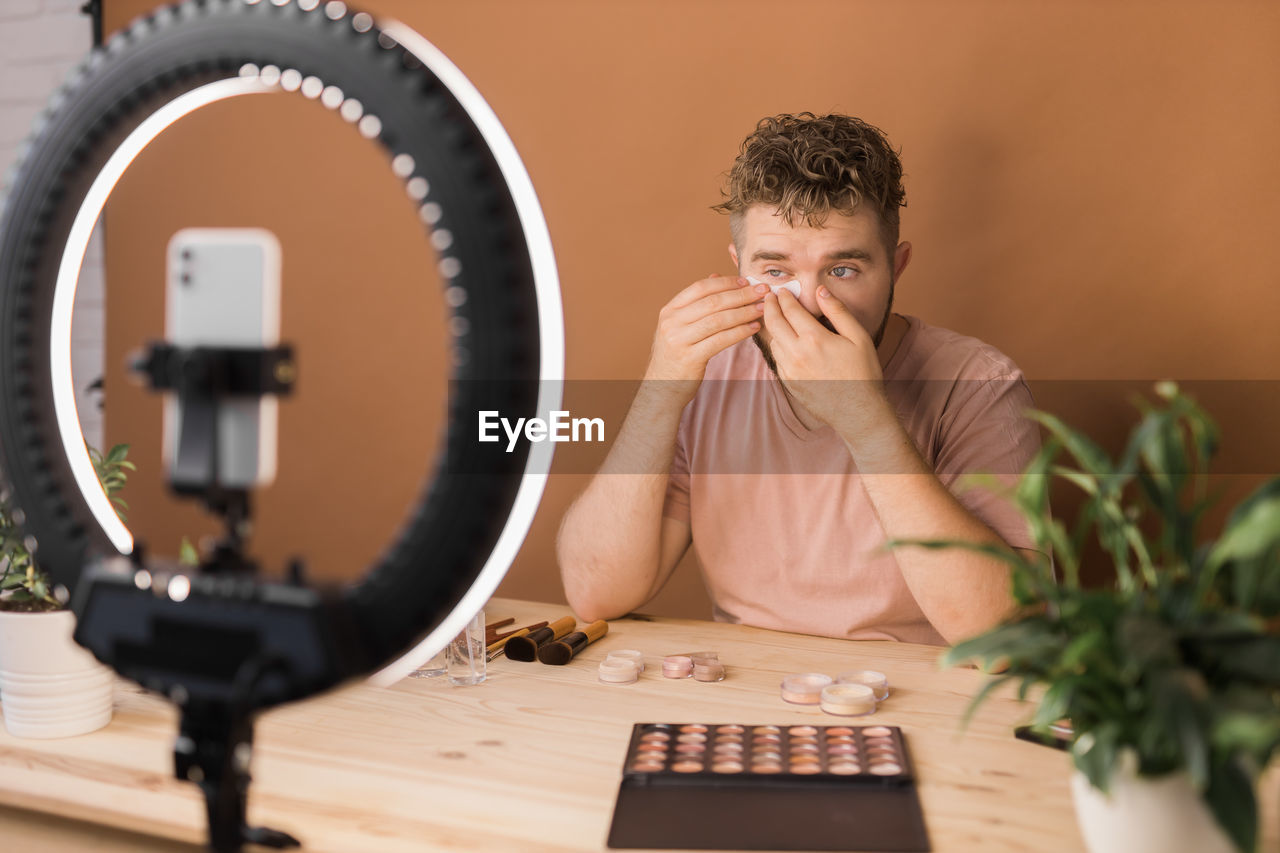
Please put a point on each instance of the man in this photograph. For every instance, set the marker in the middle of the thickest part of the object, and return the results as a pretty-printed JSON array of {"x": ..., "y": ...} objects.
[{"x": 789, "y": 437}]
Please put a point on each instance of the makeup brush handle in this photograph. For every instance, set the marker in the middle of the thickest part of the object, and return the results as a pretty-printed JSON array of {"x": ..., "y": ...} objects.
[
  {"x": 493, "y": 638},
  {"x": 596, "y": 630},
  {"x": 560, "y": 627}
]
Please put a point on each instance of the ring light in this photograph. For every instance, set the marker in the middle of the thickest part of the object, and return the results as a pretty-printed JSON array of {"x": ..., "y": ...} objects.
[{"x": 460, "y": 171}]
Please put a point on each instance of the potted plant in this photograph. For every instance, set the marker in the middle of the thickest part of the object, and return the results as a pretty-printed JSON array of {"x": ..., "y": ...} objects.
[
  {"x": 49, "y": 685},
  {"x": 1170, "y": 677}
]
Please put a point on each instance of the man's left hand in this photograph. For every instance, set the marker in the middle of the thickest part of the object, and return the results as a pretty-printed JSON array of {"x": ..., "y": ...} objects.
[{"x": 836, "y": 377}]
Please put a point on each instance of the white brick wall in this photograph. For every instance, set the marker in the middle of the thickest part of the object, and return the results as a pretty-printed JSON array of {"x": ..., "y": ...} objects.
[{"x": 40, "y": 41}]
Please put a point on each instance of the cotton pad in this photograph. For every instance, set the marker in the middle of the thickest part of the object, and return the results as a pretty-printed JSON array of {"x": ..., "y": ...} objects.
[{"x": 793, "y": 286}]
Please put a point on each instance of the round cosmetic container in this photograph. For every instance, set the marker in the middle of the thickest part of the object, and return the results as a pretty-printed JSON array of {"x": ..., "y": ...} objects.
[
  {"x": 805, "y": 688},
  {"x": 632, "y": 655},
  {"x": 708, "y": 670},
  {"x": 704, "y": 659},
  {"x": 677, "y": 666},
  {"x": 618, "y": 671},
  {"x": 877, "y": 681},
  {"x": 848, "y": 700}
]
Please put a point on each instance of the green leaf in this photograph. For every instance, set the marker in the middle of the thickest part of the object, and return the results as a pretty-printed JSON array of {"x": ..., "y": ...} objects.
[
  {"x": 1138, "y": 438},
  {"x": 1256, "y": 734},
  {"x": 1251, "y": 530},
  {"x": 1086, "y": 484},
  {"x": 1204, "y": 432},
  {"x": 982, "y": 696},
  {"x": 1067, "y": 552},
  {"x": 1056, "y": 702},
  {"x": 1000, "y": 552},
  {"x": 1264, "y": 493},
  {"x": 1079, "y": 648},
  {"x": 1179, "y": 700},
  {"x": 1095, "y": 754},
  {"x": 1032, "y": 490},
  {"x": 1024, "y": 639},
  {"x": 1088, "y": 454},
  {"x": 1231, "y": 798}
]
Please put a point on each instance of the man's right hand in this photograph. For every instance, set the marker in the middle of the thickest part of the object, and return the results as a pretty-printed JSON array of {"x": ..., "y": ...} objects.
[{"x": 705, "y": 318}]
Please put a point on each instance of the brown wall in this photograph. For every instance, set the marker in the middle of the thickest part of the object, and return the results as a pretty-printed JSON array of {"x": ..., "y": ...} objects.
[{"x": 1093, "y": 188}]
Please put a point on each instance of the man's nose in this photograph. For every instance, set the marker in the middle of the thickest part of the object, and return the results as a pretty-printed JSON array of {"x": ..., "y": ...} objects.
[{"x": 809, "y": 294}]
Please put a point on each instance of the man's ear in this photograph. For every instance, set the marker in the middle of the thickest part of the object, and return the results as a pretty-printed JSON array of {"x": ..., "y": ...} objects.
[
  {"x": 733, "y": 253},
  {"x": 901, "y": 257}
]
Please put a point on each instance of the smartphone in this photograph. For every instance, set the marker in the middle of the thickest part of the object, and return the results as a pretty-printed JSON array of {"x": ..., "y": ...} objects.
[
  {"x": 1058, "y": 736},
  {"x": 223, "y": 290}
]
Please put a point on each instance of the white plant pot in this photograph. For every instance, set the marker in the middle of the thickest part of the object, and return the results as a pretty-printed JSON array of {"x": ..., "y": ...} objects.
[
  {"x": 49, "y": 685},
  {"x": 1140, "y": 814}
]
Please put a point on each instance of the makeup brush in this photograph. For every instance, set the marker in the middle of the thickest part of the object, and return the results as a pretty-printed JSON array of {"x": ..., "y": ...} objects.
[
  {"x": 519, "y": 632},
  {"x": 498, "y": 645},
  {"x": 526, "y": 648},
  {"x": 560, "y": 652},
  {"x": 492, "y": 627}
]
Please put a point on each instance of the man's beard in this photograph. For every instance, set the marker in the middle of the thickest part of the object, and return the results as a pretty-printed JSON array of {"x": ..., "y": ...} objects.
[{"x": 826, "y": 323}]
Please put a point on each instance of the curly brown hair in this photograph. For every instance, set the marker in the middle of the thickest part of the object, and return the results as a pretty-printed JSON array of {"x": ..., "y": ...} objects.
[{"x": 806, "y": 166}]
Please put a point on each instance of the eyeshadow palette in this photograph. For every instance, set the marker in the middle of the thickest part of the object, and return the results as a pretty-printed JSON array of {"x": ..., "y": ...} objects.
[{"x": 742, "y": 787}]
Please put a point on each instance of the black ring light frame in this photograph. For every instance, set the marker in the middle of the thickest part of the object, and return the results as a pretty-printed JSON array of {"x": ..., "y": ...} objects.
[{"x": 470, "y": 190}]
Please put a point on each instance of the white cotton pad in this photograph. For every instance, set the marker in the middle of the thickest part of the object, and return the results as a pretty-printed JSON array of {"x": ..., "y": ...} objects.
[{"x": 793, "y": 286}]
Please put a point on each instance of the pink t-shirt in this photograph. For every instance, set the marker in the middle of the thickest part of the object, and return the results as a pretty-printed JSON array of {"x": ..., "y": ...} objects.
[{"x": 782, "y": 526}]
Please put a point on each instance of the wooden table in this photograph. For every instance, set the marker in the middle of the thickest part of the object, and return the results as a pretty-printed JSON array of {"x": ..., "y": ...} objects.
[{"x": 530, "y": 760}]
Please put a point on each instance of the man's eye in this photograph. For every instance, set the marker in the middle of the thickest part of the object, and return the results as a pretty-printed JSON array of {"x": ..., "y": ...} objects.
[
  {"x": 774, "y": 273},
  {"x": 844, "y": 272}
]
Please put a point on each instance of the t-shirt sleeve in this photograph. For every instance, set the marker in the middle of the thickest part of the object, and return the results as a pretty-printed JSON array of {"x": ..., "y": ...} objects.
[
  {"x": 676, "y": 504},
  {"x": 986, "y": 432}
]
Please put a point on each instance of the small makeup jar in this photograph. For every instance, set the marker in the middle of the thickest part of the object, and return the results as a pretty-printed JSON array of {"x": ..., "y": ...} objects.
[
  {"x": 877, "y": 681},
  {"x": 707, "y": 669},
  {"x": 805, "y": 688},
  {"x": 632, "y": 655},
  {"x": 677, "y": 666},
  {"x": 848, "y": 700},
  {"x": 618, "y": 671}
]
